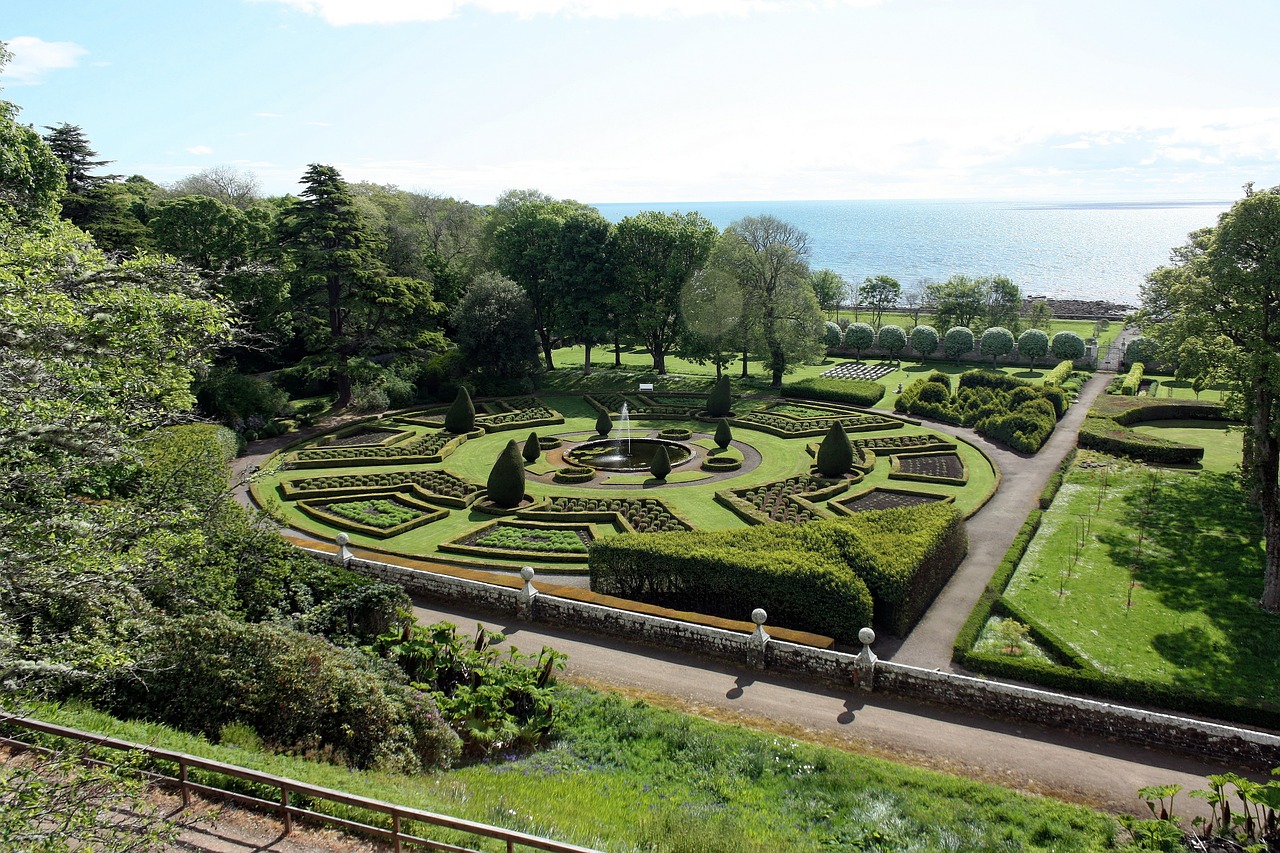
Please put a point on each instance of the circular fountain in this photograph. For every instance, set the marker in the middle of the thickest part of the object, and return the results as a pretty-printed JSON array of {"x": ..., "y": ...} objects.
[{"x": 622, "y": 455}]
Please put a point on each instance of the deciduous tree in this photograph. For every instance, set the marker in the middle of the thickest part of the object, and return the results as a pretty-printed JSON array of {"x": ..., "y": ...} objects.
[{"x": 879, "y": 294}]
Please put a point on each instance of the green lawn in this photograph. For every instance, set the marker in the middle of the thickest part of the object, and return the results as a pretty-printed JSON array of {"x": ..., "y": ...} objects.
[
  {"x": 688, "y": 493},
  {"x": 1165, "y": 587},
  {"x": 625, "y": 776},
  {"x": 1180, "y": 389}
]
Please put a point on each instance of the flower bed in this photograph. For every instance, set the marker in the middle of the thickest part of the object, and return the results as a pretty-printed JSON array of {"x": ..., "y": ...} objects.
[
  {"x": 940, "y": 467},
  {"x": 441, "y": 486},
  {"x": 874, "y": 499}
]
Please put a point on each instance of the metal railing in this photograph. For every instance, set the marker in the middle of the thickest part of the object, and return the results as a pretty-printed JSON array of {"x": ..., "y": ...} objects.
[{"x": 288, "y": 788}]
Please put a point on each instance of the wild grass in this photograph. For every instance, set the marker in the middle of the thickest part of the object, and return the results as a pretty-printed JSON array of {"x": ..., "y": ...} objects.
[{"x": 624, "y": 776}]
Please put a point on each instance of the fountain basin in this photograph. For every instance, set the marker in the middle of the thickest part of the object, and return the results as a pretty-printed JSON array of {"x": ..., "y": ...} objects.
[{"x": 626, "y": 455}]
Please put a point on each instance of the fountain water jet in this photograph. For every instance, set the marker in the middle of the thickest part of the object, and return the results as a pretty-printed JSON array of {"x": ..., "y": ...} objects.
[{"x": 625, "y": 420}]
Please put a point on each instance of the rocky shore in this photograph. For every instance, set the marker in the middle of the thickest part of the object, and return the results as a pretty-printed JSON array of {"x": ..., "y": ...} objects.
[{"x": 1083, "y": 308}]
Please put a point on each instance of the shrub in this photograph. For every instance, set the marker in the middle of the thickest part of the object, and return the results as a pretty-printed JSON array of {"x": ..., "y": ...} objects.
[
  {"x": 957, "y": 341},
  {"x": 532, "y": 448},
  {"x": 675, "y": 434},
  {"x": 604, "y": 424},
  {"x": 660, "y": 467},
  {"x": 995, "y": 342},
  {"x": 994, "y": 403},
  {"x": 369, "y": 397},
  {"x": 229, "y": 396},
  {"x": 859, "y": 336},
  {"x": 832, "y": 337},
  {"x": 720, "y": 400},
  {"x": 724, "y": 435},
  {"x": 892, "y": 339},
  {"x": 1067, "y": 346},
  {"x": 924, "y": 340},
  {"x": 1033, "y": 344},
  {"x": 506, "y": 478},
  {"x": 1109, "y": 436},
  {"x": 296, "y": 691},
  {"x": 1142, "y": 349},
  {"x": 461, "y": 417},
  {"x": 1132, "y": 380},
  {"x": 835, "y": 454},
  {"x": 855, "y": 392},
  {"x": 1059, "y": 374}
]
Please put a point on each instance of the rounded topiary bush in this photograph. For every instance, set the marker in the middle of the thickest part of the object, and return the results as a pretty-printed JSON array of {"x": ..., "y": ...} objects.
[
  {"x": 892, "y": 339},
  {"x": 461, "y": 417},
  {"x": 859, "y": 336},
  {"x": 660, "y": 467},
  {"x": 1067, "y": 345},
  {"x": 506, "y": 479},
  {"x": 925, "y": 339},
  {"x": 532, "y": 448},
  {"x": 604, "y": 424},
  {"x": 832, "y": 336}
]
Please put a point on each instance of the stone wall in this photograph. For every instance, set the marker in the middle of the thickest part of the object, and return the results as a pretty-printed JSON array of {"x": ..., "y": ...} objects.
[{"x": 751, "y": 646}]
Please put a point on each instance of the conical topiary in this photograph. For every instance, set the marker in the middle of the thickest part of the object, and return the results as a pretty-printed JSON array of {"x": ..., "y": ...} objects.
[
  {"x": 461, "y": 417},
  {"x": 604, "y": 423},
  {"x": 835, "y": 454},
  {"x": 724, "y": 435},
  {"x": 720, "y": 400},
  {"x": 660, "y": 467},
  {"x": 531, "y": 450},
  {"x": 506, "y": 478}
]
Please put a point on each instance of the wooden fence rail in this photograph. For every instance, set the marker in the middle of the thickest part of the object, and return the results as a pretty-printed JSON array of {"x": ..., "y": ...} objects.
[{"x": 288, "y": 788}]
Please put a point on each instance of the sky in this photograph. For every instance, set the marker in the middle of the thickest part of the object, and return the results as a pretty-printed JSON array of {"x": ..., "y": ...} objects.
[{"x": 670, "y": 100}]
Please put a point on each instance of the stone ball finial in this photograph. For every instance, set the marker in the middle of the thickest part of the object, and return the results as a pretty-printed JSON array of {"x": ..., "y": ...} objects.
[
  {"x": 342, "y": 539},
  {"x": 527, "y": 573},
  {"x": 866, "y": 636},
  {"x": 758, "y": 616}
]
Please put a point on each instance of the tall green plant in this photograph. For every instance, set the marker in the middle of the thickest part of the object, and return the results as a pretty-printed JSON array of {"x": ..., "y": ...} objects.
[
  {"x": 835, "y": 454},
  {"x": 506, "y": 478},
  {"x": 461, "y": 417},
  {"x": 720, "y": 400}
]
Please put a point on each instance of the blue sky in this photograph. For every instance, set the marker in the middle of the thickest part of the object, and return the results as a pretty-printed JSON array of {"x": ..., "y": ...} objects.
[{"x": 658, "y": 100}]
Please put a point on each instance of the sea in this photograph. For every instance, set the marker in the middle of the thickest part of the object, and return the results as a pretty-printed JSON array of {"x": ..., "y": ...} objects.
[{"x": 1085, "y": 251}]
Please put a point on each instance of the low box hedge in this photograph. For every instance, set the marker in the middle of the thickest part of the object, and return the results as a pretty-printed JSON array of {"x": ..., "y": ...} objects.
[
  {"x": 1132, "y": 380},
  {"x": 856, "y": 392},
  {"x": 1060, "y": 373},
  {"x": 719, "y": 464},
  {"x": 1109, "y": 436},
  {"x": 320, "y": 513},
  {"x": 569, "y": 476}
]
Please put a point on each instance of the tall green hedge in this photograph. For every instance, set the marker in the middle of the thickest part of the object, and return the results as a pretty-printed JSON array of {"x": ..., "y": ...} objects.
[
  {"x": 831, "y": 577},
  {"x": 856, "y": 392},
  {"x": 461, "y": 417}
]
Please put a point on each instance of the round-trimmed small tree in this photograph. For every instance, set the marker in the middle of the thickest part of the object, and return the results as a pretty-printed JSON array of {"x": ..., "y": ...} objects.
[
  {"x": 604, "y": 423},
  {"x": 461, "y": 417},
  {"x": 1142, "y": 349},
  {"x": 957, "y": 341},
  {"x": 506, "y": 478},
  {"x": 995, "y": 342},
  {"x": 660, "y": 467},
  {"x": 893, "y": 340},
  {"x": 859, "y": 336},
  {"x": 724, "y": 435},
  {"x": 831, "y": 335},
  {"x": 531, "y": 451},
  {"x": 720, "y": 400},
  {"x": 835, "y": 454},
  {"x": 924, "y": 340},
  {"x": 1033, "y": 344},
  {"x": 1067, "y": 345}
]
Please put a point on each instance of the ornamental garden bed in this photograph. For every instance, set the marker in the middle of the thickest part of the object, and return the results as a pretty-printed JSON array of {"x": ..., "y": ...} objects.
[
  {"x": 881, "y": 498},
  {"x": 933, "y": 467},
  {"x": 520, "y": 540}
]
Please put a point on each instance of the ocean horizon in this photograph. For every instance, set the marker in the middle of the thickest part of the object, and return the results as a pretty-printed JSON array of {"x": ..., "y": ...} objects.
[{"x": 1090, "y": 250}]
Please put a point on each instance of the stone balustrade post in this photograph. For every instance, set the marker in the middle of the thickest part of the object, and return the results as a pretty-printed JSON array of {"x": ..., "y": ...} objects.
[
  {"x": 864, "y": 662},
  {"x": 527, "y": 594}
]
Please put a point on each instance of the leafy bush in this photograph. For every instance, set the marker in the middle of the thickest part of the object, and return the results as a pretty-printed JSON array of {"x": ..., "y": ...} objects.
[
  {"x": 1142, "y": 349},
  {"x": 994, "y": 403},
  {"x": 859, "y": 336},
  {"x": 1059, "y": 374},
  {"x": 230, "y": 396},
  {"x": 461, "y": 417},
  {"x": 720, "y": 400},
  {"x": 724, "y": 435},
  {"x": 855, "y": 392},
  {"x": 832, "y": 337},
  {"x": 924, "y": 340},
  {"x": 1067, "y": 346},
  {"x": 296, "y": 691},
  {"x": 506, "y": 478},
  {"x": 1133, "y": 380},
  {"x": 995, "y": 342}
]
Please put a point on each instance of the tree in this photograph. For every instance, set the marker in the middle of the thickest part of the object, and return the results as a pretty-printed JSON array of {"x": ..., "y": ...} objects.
[
  {"x": 658, "y": 254},
  {"x": 461, "y": 417},
  {"x": 1002, "y": 302},
  {"x": 829, "y": 289},
  {"x": 345, "y": 303},
  {"x": 879, "y": 294},
  {"x": 70, "y": 145},
  {"x": 506, "y": 478},
  {"x": 584, "y": 271},
  {"x": 1224, "y": 286},
  {"x": 769, "y": 257},
  {"x": 660, "y": 467},
  {"x": 995, "y": 342},
  {"x": 859, "y": 336},
  {"x": 31, "y": 180},
  {"x": 1142, "y": 349},
  {"x": 495, "y": 333},
  {"x": 1033, "y": 344},
  {"x": 835, "y": 453},
  {"x": 1067, "y": 345},
  {"x": 202, "y": 231},
  {"x": 720, "y": 400},
  {"x": 1041, "y": 316},
  {"x": 724, "y": 435},
  {"x": 719, "y": 323},
  {"x": 832, "y": 337},
  {"x": 893, "y": 340},
  {"x": 924, "y": 340},
  {"x": 232, "y": 187},
  {"x": 915, "y": 299},
  {"x": 957, "y": 341},
  {"x": 531, "y": 451},
  {"x": 958, "y": 301}
]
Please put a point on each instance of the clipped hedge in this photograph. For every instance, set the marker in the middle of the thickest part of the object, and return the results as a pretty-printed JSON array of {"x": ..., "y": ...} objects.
[
  {"x": 719, "y": 464},
  {"x": 1132, "y": 380},
  {"x": 997, "y": 405},
  {"x": 675, "y": 434},
  {"x": 818, "y": 577},
  {"x": 855, "y": 392},
  {"x": 1110, "y": 436},
  {"x": 1055, "y": 481},
  {"x": 580, "y": 474},
  {"x": 1059, "y": 374}
]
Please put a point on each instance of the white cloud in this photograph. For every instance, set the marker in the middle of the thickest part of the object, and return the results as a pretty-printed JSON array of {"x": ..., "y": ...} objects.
[
  {"x": 345, "y": 12},
  {"x": 33, "y": 57},
  {"x": 199, "y": 149}
]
